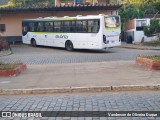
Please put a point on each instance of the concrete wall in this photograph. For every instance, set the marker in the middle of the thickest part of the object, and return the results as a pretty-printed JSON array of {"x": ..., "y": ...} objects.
[
  {"x": 138, "y": 36},
  {"x": 13, "y": 22},
  {"x": 149, "y": 39}
]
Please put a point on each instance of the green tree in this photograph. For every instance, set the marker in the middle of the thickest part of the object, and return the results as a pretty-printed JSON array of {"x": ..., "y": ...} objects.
[
  {"x": 130, "y": 13},
  {"x": 33, "y": 3},
  {"x": 153, "y": 28},
  {"x": 139, "y": 2},
  {"x": 136, "y": 9},
  {"x": 18, "y": 2}
]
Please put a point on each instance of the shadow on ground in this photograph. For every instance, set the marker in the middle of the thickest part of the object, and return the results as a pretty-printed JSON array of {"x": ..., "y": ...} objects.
[{"x": 79, "y": 50}]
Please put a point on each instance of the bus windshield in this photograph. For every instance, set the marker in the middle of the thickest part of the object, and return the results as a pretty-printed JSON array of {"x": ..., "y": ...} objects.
[{"x": 111, "y": 21}]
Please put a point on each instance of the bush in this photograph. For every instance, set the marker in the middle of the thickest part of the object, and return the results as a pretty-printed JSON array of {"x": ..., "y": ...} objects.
[
  {"x": 8, "y": 66},
  {"x": 3, "y": 44},
  {"x": 155, "y": 57},
  {"x": 153, "y": 29}
]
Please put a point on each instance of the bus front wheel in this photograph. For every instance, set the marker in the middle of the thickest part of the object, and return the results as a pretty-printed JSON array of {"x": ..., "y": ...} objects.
[
  {"x": 69, "y": 46},
  {"x": 33, "y": 42}
]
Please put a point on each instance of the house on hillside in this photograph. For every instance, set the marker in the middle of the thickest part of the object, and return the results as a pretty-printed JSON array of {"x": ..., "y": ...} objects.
[
  {"x": 134, "y": 30},
  {"x": 11, "y": 17}
]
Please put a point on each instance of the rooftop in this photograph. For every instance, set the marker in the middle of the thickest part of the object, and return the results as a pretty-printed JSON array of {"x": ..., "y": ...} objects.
[
  {"x": 51, "y": 5},
  {"x": 59, "y": 8}
]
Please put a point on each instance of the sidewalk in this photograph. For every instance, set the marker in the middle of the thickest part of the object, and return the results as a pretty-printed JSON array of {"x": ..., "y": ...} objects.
[
  {"x": 138, "y": 46},
  {"x": 81, "y": 75}
]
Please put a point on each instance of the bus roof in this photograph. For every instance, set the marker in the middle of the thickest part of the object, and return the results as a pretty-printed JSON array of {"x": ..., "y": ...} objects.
[{"x": 54, "y": 18}]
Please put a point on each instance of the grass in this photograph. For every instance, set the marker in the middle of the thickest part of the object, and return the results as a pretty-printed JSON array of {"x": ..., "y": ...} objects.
[
  {"x": 9, "y": 66},
  {"x": 152, "y": 57},
  {"x": 153, "y": 44}
]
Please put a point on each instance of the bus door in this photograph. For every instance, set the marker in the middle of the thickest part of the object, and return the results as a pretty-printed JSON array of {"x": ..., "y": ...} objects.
[
  {"x": 40, "y": 34},
  {"x": 48, "y": 34}
]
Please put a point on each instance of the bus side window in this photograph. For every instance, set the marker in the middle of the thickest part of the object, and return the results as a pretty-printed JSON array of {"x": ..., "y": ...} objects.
[
  {"x": 49, "y": 26},
  {"x": 93, "y": 26},
  {"x": 66, "y": 26},
  {"x": 57, "y": 27},
  {"x": 89, "y": 25},
  {"x": 40, "y": 27},
  {"x": 32, "y": 27},
  {"x": 73, "y": 26},
  {"x": 79, "y": 26},
  {"x": 84, "y": 26}
]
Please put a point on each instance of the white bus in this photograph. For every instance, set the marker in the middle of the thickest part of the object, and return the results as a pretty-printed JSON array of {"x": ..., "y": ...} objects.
[{"x": 80, "y": 32}]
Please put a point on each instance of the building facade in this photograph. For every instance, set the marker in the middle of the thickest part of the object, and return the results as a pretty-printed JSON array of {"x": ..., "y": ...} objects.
[{"x": 11, "y": 17}]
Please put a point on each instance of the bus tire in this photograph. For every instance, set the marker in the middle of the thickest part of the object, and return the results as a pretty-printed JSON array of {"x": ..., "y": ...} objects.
[
  {"x": 33, "y": 42},
  {"x": 69, "y": 45}
]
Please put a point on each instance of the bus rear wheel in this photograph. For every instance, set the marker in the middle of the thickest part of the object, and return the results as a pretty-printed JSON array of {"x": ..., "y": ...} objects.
[
  {"x": 69, "y": 46},
  {"x": 33, "y": 42}
]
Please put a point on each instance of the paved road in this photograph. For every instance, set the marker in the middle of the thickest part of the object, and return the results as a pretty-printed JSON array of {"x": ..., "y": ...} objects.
[
  {"x": 49, "y": 55},
  {"x": 117, "y": 101}
]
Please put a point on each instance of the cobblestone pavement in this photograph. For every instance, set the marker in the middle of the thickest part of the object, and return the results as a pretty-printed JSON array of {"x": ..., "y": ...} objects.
[
  {"x": 49, "y": 55},
  {"x": 117, "y": 101}
]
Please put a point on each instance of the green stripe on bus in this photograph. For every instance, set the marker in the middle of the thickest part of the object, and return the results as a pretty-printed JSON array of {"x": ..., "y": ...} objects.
[
  {"x": 66, "y": 19},
  {"x": 50, "y": 20},
  {"x": 114, "y": 28},
  {"x": 46, "y": 32}
]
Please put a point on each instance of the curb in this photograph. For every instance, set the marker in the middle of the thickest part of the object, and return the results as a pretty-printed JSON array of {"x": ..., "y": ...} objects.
[
  {"x": 138, "y": 48},
  {"x": 148, "y": 63},
  {"x": 13, "y": 72},
  {"x": 79, "y": 89}
]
